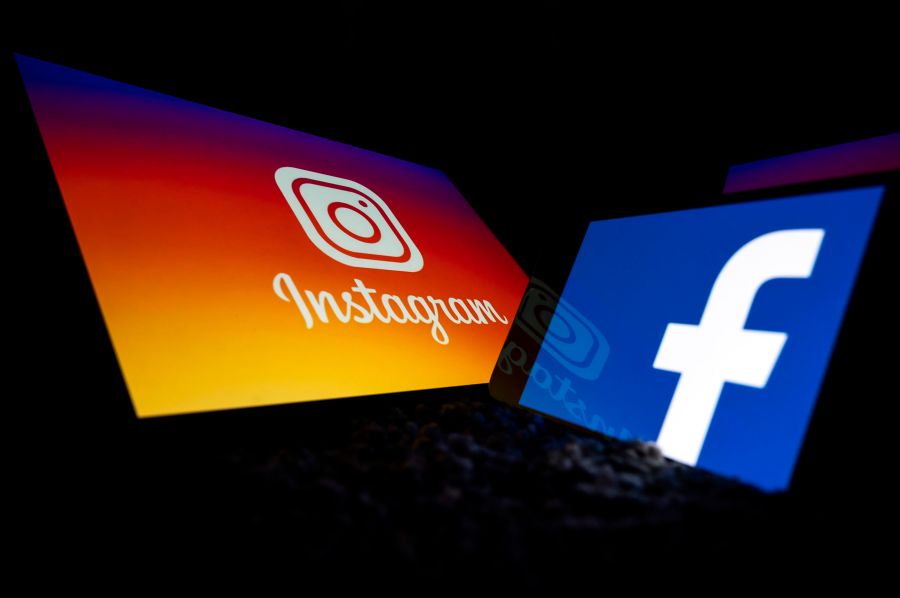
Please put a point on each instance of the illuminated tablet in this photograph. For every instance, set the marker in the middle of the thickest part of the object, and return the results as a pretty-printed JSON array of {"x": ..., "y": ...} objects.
[
  {"x": 238, "y": 263},
  {"x": 708, "y": 331}
]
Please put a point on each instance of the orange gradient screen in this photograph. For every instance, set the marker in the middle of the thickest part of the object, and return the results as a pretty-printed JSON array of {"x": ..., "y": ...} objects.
[{"x": 238, "y": 263}]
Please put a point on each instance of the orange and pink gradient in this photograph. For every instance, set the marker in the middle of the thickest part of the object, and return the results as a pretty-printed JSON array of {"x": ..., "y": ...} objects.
[{"x": 183, "y": 229}]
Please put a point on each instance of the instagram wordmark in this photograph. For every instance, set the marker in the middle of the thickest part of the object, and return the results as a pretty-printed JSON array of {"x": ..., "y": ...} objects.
[{"x": 362, "y": 308}]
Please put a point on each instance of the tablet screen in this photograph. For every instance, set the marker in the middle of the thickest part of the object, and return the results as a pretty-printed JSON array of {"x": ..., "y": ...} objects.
[{"x": 239, "y": 263}]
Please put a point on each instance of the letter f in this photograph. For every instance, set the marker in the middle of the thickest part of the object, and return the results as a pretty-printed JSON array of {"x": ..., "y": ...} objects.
[{"x": 719, "y": 349}]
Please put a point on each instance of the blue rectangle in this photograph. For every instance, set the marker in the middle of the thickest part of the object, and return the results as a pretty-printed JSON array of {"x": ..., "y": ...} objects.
[{"x": 763, "y": 338}]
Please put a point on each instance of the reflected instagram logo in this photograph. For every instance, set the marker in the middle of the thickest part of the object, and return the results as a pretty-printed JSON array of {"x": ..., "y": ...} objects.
[
  {"x": 347, "y": 221},
  {"x": 563, "y": 331}
]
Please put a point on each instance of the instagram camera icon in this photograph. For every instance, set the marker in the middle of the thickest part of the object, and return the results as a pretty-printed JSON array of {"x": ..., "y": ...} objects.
[
  {"x": 347, "y": 221},
  {"x": 562, "y": 331}
]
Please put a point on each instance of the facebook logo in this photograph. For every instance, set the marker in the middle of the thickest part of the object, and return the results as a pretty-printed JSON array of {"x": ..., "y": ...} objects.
[
  {"x": 720, "y": 324},
  {"x": 719, "y": 349}
]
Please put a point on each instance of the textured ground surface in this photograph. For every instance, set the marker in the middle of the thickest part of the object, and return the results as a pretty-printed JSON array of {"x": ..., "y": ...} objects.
[
  {"x": 441, "y": 484},
  {"x": 448, "y": 489}
]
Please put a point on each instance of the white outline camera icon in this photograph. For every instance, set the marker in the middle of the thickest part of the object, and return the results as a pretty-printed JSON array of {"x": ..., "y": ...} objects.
[
  {"x": 563, "y": 331},
  {"x": 347, "y": 221}
]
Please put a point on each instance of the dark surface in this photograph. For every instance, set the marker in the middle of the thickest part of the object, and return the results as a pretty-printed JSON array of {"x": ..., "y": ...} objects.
[{"x": 452, "y": 488}]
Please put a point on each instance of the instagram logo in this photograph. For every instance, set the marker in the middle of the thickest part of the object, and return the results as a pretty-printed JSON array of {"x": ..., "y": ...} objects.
[
  {"x": 566, "y": 334},
  {"x": 347, "y": 221}
]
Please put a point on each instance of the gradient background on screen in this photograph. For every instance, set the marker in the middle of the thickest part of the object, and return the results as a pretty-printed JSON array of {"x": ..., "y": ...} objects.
[
  {"x": 183, "y": 228},
  {"x": 868, "y": 156}
]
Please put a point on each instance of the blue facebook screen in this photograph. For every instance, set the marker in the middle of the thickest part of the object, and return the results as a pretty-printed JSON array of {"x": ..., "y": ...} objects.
[{"x": 717, "y": 325}]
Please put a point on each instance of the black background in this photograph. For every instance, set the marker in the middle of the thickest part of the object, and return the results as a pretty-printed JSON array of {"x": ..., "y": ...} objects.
[{"x": 545, "y": 119}]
